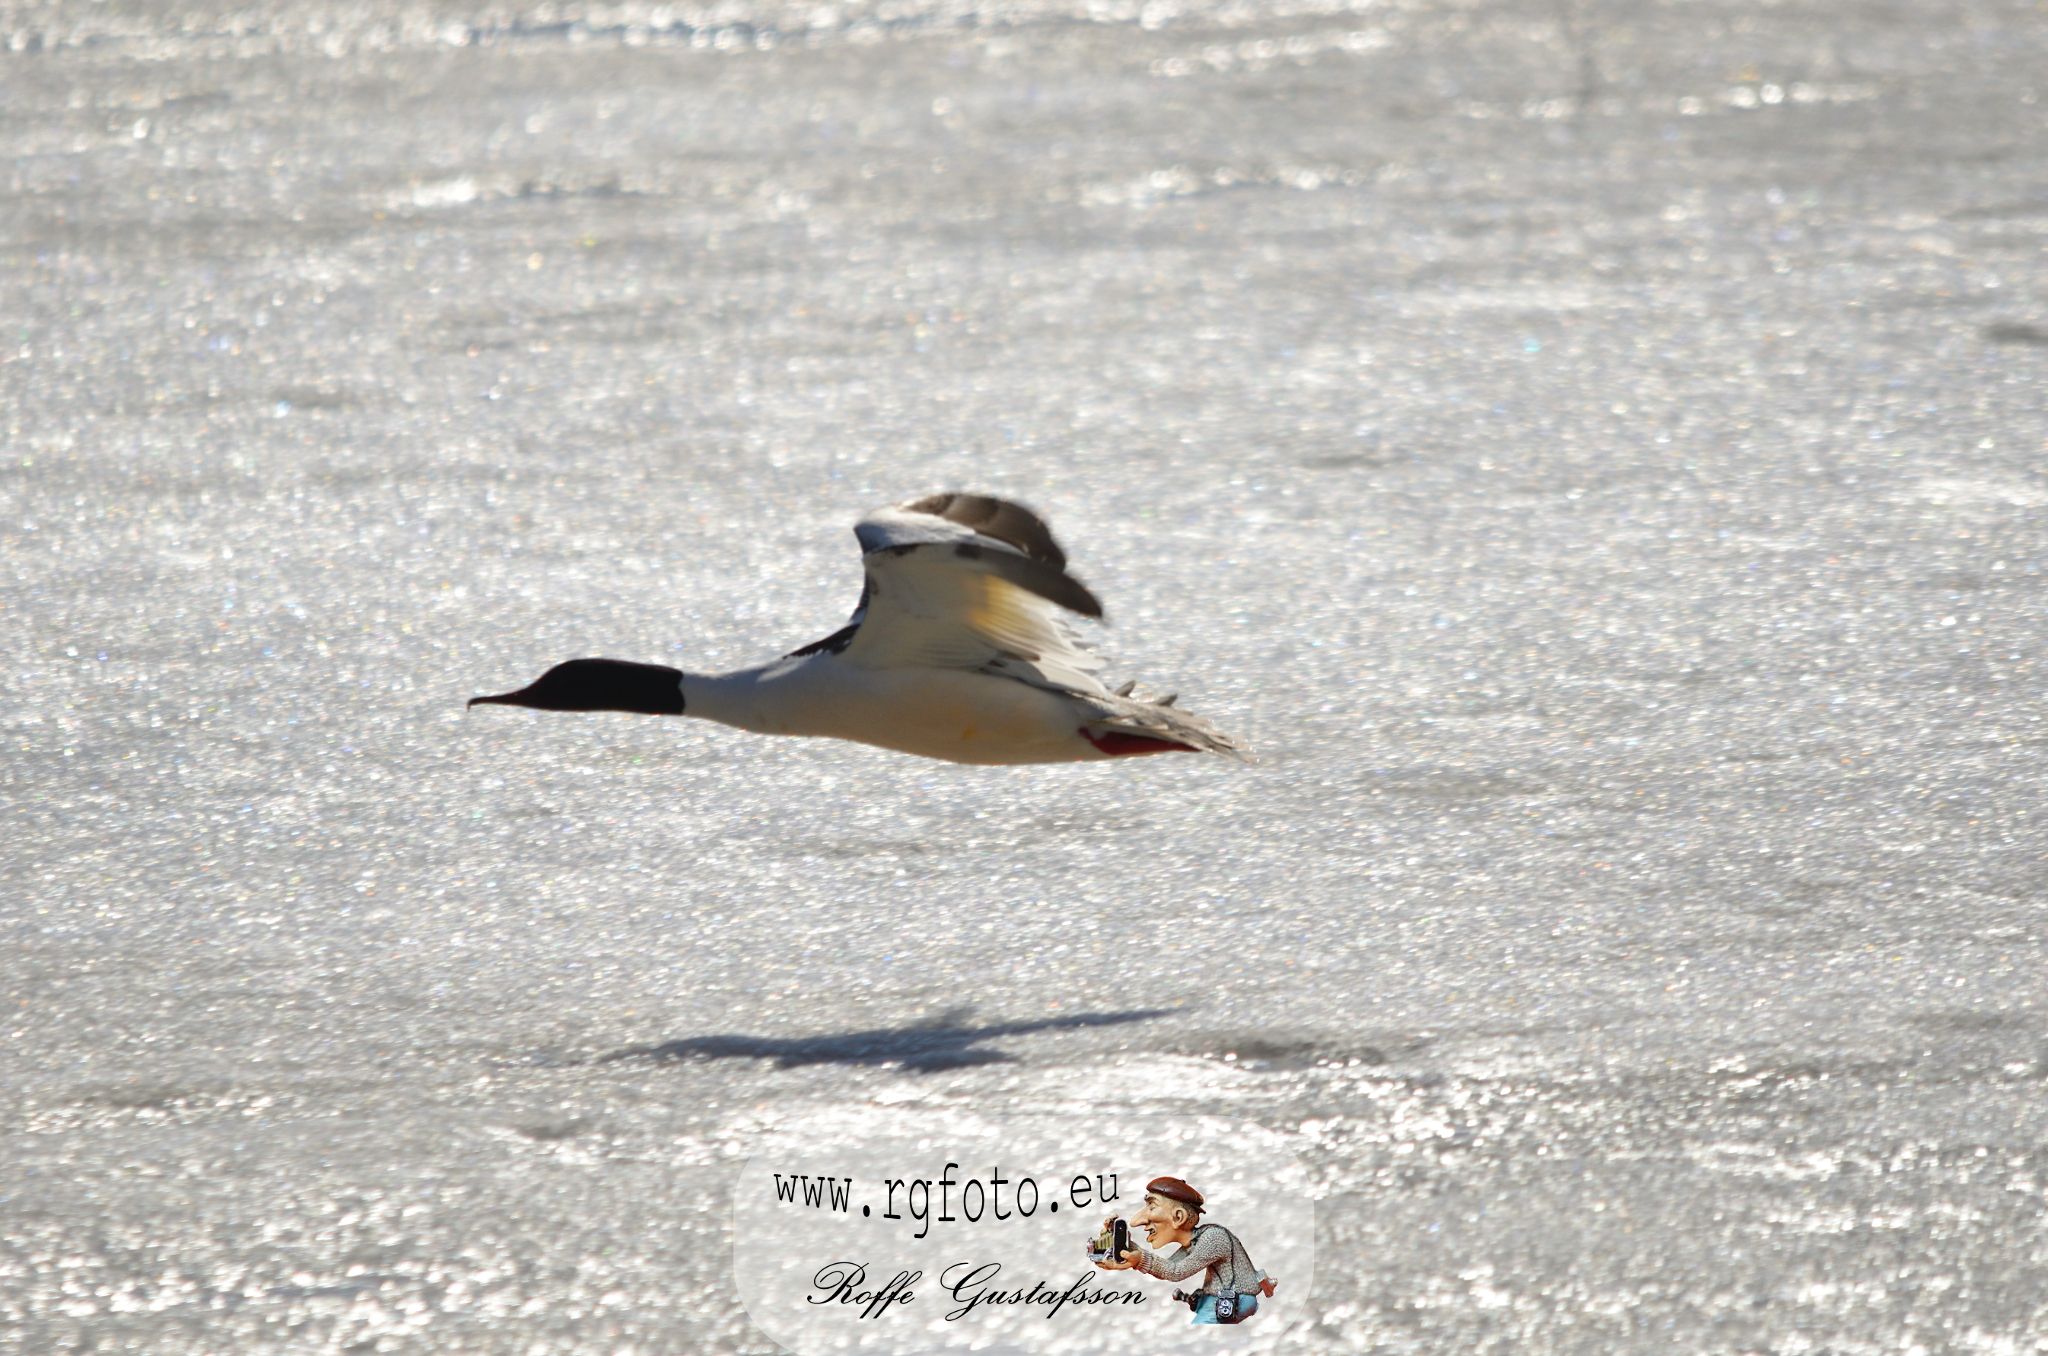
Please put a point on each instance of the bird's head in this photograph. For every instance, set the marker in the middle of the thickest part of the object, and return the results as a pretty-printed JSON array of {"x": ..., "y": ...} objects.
[{"x": 599, "y": 685}]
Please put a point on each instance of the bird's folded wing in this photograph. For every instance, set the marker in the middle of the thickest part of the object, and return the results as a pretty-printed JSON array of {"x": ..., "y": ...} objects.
[{"x": 944, "y": 593}]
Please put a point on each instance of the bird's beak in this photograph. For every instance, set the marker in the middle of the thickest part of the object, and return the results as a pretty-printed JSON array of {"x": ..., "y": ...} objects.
[{"x": 502, "y": 699}]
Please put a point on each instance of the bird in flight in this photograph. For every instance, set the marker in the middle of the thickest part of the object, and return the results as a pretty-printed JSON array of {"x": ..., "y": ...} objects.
[{"x": 957, "y": 650}]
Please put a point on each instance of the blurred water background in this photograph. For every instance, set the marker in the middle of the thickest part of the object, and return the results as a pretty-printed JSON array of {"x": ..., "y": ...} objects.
[{"x": 1594, "y": 449}]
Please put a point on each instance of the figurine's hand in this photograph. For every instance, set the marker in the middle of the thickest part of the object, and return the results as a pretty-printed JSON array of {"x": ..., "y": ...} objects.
[{"x": 1108, "y": 1265}]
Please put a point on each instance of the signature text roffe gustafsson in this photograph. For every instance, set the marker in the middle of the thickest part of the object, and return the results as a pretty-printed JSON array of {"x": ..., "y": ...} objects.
[{"x": 973, "y": 1285}]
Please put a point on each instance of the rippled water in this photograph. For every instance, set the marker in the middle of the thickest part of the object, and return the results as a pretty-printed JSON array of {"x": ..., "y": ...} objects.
[{"x": 1594, "y": 451}]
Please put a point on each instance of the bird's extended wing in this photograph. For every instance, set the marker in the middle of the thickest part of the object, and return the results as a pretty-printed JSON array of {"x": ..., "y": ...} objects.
[{"x": 966, "y": 581}]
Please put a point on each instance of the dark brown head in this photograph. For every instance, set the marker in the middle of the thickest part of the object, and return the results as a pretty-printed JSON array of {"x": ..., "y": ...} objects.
[{"x": 600, "y": 685}]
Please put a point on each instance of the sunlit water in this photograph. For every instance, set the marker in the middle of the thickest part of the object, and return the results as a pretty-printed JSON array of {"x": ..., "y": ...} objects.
[{"x": 1593, "y": 451}]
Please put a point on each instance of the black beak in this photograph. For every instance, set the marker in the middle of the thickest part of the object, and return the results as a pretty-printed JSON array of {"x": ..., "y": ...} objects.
[{"x": 502, "y": 699}]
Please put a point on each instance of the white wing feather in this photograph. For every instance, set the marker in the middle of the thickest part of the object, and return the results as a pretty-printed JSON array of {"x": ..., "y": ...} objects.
[{"x": 944, "y": 595}]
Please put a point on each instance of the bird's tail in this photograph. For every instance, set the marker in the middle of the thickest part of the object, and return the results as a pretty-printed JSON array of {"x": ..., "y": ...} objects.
[{"x": 1134, "y": 723}]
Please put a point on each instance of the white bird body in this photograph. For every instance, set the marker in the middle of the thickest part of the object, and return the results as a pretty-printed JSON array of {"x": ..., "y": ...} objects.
[
  {"x": 953, "y": 714},
  {"x": 957, "y": 651}
]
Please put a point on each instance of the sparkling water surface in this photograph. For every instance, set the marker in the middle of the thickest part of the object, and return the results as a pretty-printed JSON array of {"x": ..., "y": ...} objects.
[{"x": 1593, "y": 450}]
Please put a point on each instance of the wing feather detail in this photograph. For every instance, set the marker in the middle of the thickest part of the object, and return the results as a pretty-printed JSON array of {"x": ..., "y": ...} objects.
[
  {"x": 1012, "y": 524},
  {"x": 970, "y": 582},
  {"x": 1039, "y": 565}
]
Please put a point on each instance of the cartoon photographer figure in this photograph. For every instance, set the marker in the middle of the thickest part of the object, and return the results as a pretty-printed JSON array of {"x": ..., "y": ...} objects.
[{"x": 1231, "y": 1285}]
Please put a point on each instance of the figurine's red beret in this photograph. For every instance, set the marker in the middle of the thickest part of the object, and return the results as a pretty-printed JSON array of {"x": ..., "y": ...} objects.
[{"x": 1173, "y": 1189}]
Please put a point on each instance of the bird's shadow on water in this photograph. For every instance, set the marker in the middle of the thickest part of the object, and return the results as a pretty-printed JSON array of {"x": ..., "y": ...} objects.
[{"x": 949, "y": 1040}]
